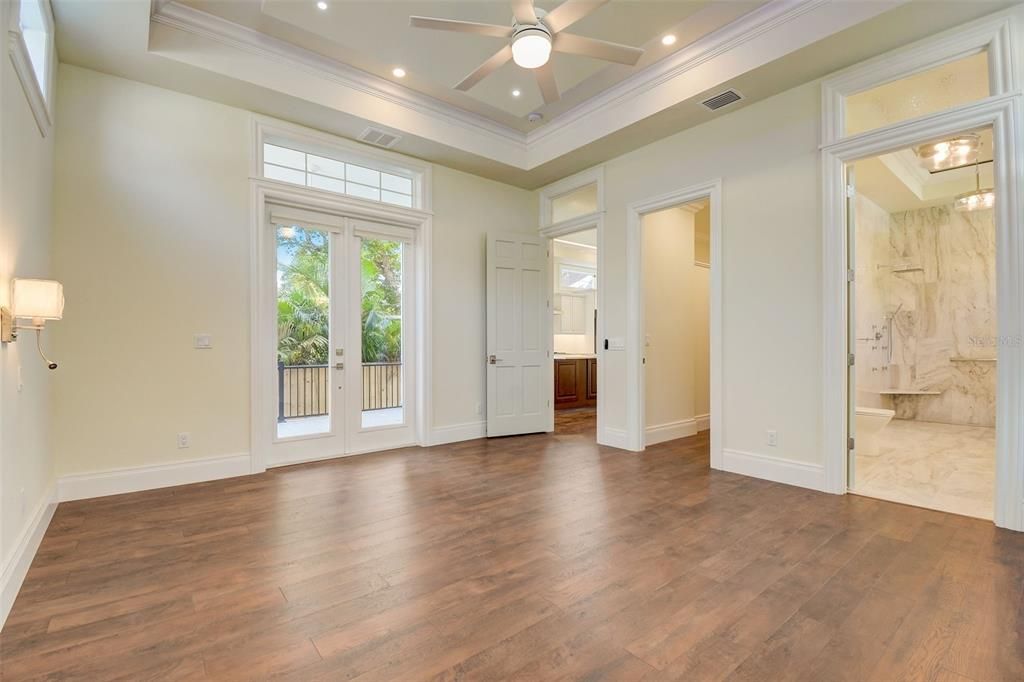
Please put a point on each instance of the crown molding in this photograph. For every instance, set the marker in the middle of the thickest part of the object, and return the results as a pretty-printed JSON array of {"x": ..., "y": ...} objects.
[
  {"x": 228, "y": 33},
  {"x": 730, "y": 36},
  {"x": 767, "y": 33}
]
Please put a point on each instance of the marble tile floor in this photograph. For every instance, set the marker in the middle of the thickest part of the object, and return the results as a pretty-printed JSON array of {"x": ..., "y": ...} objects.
[{"x": 946, "y": 467}]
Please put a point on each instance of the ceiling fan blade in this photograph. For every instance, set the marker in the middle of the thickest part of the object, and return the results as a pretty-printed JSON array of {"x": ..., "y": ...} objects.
[
  {"x": 461, "y": 26},
  {"x": 569, "y": 12},
  {"x": 486, "y": 69},
  {"x": 522, "y": 10},
  {"x": 546, "y": 81},
  {"x": 598, "y": 49}
]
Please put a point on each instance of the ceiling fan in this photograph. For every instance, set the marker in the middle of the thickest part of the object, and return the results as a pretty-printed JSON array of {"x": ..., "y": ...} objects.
[{"x": 532, "y": 36}]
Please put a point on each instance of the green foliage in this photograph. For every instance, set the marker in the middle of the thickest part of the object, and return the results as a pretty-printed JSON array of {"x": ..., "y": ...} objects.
[
  {"x": 381, "y": 313},
  {"x": 303, "y": 307}
]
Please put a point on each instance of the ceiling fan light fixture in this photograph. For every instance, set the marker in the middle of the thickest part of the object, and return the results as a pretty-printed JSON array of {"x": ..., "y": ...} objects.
[{"x": 531, "y": 47}]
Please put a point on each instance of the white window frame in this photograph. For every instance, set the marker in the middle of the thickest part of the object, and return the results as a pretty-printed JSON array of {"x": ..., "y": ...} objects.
[
  {"x": 1003, "y": 111},
  {"x": 271, "y": 131},
  {"x": 39, "y": 95},
  {"x": 991, "y": 35},
  {"x": 575, "y": 267},
  {"x": 548, "y": 194},
  {"x": 265, "y": 193}
]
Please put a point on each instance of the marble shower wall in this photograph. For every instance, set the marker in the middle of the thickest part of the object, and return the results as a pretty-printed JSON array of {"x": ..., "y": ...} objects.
[
  {"x": 943, "y": 284},
  {"x": 872, "y": 254}
]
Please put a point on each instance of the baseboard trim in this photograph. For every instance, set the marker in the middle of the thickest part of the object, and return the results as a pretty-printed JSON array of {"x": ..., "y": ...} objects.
[
  {"x": 778, "y": 469},
  {"x": 441, "y": 435},
  {"x": 703, "y": 422},
  {"x": 14, "y": 572},
  {"x": 660, "y": 433},
  {"x": 137, "y": 479},
  {"x": 615, "y": 438}
]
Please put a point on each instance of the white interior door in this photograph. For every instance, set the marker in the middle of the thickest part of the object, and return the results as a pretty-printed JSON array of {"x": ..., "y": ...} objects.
[
  {"x": 851, "y": 329},
  {"x": 517, "y": 335}
]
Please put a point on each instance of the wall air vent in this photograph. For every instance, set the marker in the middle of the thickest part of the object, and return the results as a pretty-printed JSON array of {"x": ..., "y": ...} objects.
[
  {"x": 722, "y": 99},
  {"x": 379, "y": 138}
]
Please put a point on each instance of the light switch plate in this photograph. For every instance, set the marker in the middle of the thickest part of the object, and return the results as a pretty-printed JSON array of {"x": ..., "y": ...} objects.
[
  {"x": 202, "y": 341},
  {"x": 616, "y": 343}
]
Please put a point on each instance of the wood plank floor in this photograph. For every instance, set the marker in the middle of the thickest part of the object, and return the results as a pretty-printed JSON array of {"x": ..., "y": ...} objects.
[{"x": 532, "y": 558}]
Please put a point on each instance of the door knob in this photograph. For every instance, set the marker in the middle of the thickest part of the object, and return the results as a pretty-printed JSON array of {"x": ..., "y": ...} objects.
[
  {"x": 340, "y": 365},
  {"x": 493, "y": 359}
]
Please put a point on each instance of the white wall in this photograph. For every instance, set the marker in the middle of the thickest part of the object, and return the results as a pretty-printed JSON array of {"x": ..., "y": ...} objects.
[
  {"x": 466, "y": 208},
  {"x": 675, "y": 325},
  {"x": 152, "y": 242},
  {"x": 26, "y": 186},
  {"x": 767, "y": 157}
]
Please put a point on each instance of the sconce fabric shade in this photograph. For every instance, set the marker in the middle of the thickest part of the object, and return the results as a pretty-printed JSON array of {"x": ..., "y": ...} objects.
[{"x": 39, "y": 299}]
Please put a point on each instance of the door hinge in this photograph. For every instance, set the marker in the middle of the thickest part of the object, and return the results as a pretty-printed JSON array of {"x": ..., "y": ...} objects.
[
  {"x": 851, "y": 275},
  {"x": 851, "y": 191},
  {"x": 850, "y": 359},
  {"x": 849, "y": 443}
]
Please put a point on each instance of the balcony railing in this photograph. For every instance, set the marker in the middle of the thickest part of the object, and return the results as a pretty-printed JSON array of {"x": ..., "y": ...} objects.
[{"x": 302, "y": 390}]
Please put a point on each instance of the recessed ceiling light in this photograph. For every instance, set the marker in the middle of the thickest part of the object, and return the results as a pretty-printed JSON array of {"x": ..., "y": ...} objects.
[
  {"x": 321, "y": 5},
  {"x": 398, "y": 72},
  {"x": 516, "y": 92},
  {"x": 668, "y": 39}
]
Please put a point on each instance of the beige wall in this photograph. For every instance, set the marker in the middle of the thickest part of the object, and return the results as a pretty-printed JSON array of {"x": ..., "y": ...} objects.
[
  {"x": 466, "y": 208},
  {"x": 676, "y": 320},
  {"x": 26, "y": 186},
  {"x": 767, "y": 157},
  {"x": 152, "y": 242}
]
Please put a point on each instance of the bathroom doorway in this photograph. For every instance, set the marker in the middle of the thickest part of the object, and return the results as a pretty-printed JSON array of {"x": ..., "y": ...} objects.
[{"x": 922, "y": 320}]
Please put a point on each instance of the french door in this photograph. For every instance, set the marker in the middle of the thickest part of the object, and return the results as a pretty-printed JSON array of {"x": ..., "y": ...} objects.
[{"x": 338, "y": 358}]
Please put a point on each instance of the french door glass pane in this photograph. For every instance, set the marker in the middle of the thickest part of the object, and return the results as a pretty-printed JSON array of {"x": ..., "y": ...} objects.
[
  {"x": 381, "y": 332},
  {"x": 303, "y": 331}
]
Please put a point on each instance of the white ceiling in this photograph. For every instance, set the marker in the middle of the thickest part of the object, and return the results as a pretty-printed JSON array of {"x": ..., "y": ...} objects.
[
  {"x": 282, "y": 59},
  {"x": 375, "y": 36}
]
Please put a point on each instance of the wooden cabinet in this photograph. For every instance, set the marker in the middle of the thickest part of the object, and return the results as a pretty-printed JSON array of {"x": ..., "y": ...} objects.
[
  {"x": 592, "y": 379},
  {"x": 575, "y": 383}
]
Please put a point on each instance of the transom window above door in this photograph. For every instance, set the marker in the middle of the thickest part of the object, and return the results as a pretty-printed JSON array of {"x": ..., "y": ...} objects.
[{"x": 333, "y": 175}]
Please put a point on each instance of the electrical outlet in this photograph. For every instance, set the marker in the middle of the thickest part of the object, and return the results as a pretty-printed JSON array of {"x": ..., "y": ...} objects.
[
  {"x": 202, "y": 341},
  {"x": 184, "y": 439},
  {"x": 773, "y": 438}
]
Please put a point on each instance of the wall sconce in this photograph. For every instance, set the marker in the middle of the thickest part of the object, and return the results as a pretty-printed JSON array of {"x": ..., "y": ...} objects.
[{"x": 36, "y": 300}]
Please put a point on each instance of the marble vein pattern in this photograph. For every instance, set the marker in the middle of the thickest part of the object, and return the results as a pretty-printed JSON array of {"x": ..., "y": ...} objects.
[{"x": 946, "y": 467}]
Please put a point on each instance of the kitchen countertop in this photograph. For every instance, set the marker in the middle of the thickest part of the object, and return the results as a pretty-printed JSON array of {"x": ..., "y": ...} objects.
[{"x": 575, "y": 356}]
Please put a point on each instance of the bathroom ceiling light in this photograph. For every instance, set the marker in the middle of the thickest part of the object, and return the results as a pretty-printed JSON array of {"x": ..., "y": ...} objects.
[
  {"x": 977, "y": 200},
  {"x": 668, "y": 39},
  {"x": 516, "y": 92},
  {"x": 321, "y": 5},
  {"x": 398, "y": 72},
  {"x": 952, "y": 153}
]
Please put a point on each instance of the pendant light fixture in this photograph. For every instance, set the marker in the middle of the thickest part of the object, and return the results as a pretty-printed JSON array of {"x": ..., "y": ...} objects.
[
  {"x": 977, "y": 200},
  {"x": 951, "y": 153}
]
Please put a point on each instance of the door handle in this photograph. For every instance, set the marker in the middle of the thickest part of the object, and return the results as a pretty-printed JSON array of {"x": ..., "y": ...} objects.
[
  {"x": 493, "y": 359},
  {"x": 339, "y": 365}
]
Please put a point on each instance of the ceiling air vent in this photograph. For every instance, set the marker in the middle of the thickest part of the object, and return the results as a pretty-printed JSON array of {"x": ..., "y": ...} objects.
[
  {"x": 722, "y": 99},
  {"x": 379, "y": 138}
]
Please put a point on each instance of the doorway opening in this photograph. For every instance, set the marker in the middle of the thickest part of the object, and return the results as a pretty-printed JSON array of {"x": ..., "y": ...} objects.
[
  {"x": 676, "y": 271},
  {"x": 575, "y": 338},
  {"x": 922, "y": 324}
]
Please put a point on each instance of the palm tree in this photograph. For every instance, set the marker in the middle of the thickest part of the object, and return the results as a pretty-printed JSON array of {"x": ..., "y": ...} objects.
[{"x": 303, "y": 301}]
